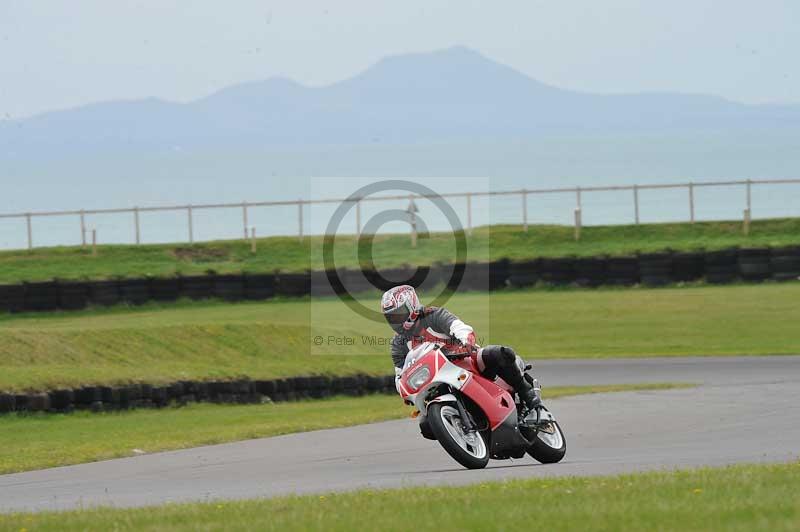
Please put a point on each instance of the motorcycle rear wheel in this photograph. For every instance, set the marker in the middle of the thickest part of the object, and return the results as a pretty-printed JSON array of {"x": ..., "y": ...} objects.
[
  {"x": 445, "y": 423},
  {"x": 549, "y": 448}
]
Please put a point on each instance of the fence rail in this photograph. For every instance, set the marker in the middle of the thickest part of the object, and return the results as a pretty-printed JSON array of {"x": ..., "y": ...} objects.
[{"x": 578, "y": 191}]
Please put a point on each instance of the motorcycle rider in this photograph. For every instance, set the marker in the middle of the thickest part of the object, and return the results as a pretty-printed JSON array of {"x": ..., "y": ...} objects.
[{"x": 415, "y": 324}]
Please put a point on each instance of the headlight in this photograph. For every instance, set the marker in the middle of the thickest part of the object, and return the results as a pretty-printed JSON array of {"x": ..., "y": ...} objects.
[{"x": 419, "y": 377}]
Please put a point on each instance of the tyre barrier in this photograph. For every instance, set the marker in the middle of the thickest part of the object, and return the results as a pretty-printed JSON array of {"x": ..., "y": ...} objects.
[
  {"x": 688, "y": 266},
  {"x": 785, "y": 263},
  {"x": 12, "y": 298},
  {"x": 722, "y": 267},
  {"x": 754, "y": 264},
  {"x": 197, "y": 287},
  {"x": 522, "y": 274},
  {"x": 622, "y": 271},
  {"x": 559, "y": 271},
  {"x": 165, "y": 289},
  {"x": 135, "y": 291},
  {"x": 481, "y": 276},
  {"x": 42, "y": 296},
  {"x": 651, "y": 269},
  {"x": 257, "y": 287},
  {"x": 590, "y": 271},
  {"x": 229, "y": 287},
  {"x": 655, "y": 269},
  {"x": 73, "y": 295},
  {"x": 294, "y": 284},
  {"x": 240, "y": 391},
  {"x": 105, "y": 293}
]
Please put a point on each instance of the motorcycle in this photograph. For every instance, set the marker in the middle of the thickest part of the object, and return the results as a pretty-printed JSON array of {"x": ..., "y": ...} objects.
[{"x": 474, "y": 418}]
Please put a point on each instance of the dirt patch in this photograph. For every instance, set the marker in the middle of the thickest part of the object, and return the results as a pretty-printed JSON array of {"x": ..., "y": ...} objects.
[{"x": 200, "y": 254}]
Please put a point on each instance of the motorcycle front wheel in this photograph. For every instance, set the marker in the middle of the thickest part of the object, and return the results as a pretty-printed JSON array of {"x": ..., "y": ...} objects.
[{"x": 468, "y": 449}]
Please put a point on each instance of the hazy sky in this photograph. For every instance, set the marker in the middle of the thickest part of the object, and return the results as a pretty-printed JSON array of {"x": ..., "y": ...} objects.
[{"x": 61, "y": 53}]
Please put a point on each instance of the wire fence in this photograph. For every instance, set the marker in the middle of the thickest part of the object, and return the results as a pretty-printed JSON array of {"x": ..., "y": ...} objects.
[{"x": 580, "y": 194}]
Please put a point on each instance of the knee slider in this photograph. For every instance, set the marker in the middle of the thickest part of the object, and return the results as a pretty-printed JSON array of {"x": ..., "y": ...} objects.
[{"x": 507, "y": 356}]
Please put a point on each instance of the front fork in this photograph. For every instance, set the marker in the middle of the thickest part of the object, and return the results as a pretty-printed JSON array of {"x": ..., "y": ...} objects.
[{"x": 466, "y": 419}]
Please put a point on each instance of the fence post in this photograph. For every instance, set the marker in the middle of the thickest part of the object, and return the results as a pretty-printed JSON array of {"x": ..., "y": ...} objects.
[
  {"x": 252, "y": 239},
  {"x": 525, "y": 210},
  {"x": 691, "y": 202},
  {"x": 746, "y": 226},
  {"x": 636, "y": 202},
  {"x": 578, "y": 222},
  {"x": 469, "y": 213},
  {"x": 244, "y": 218},
  {"x": 749, "y": 195},
  {"x": 412, "y": 214},
  {"x": 578, "y": 197},
  {"x": 30, "y": 230},
  {"x": 191, "y": 224},
  {"x": 136, "y": 223},
  {"x": 94, "y": 242},
  {"x": 83, "y": 229},
  {"x": 358, "y": 217},
  {"x": 300, "y": 219}
]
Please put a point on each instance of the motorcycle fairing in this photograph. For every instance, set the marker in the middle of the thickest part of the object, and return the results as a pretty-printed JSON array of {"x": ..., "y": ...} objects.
[
  {"x": 506, "y": 441},
  {"x": 498, "y": 404}
]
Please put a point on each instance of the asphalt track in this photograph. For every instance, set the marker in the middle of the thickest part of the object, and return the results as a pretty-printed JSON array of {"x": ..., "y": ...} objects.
[{"x": 744, "y": 410}]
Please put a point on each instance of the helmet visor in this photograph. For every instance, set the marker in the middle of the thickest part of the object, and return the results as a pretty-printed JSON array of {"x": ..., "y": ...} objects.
[{"x": 397, "y": 316}]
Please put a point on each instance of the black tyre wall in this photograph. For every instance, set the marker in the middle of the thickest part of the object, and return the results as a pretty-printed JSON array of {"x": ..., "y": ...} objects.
[
  {"x": 259, "y": 286},
  {"x": 689, "y": 266},
  {"x": 168, "y": 289},
  {"x": 135, "y": 291},
  {"x": 590, "y": 271},
  {"x": 754, "y": 264},
  {"x": 12, "y": 298},
  {"x": 522, "y": 274},
  {"x": 41, "y": 296},
  {"x": 722, "y": 266},
  {"x": 73, "y": 295},
  {"x": 622, "y": 271}
]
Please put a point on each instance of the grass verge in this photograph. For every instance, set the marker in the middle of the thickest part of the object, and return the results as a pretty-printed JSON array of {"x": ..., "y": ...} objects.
[
  {"x": 49, "y": 440},
  {"x": 212, "y": 340},
  {"x": 290, "y": 254},
  {"x": 742, "y": 497}
]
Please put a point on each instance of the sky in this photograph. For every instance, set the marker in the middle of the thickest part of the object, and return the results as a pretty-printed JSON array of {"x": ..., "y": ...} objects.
[{"x": 62, "y": 53}]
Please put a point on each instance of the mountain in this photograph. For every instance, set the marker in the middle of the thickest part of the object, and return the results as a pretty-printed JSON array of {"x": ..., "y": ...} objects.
[{"x": 449, "y": 95}]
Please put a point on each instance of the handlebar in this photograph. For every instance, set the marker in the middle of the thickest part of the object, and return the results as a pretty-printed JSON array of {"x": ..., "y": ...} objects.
[{"x": 470, "y": 349}]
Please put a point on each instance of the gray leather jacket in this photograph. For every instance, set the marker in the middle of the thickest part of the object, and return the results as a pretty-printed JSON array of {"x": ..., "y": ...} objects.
[{"x": 435, "y": 324}]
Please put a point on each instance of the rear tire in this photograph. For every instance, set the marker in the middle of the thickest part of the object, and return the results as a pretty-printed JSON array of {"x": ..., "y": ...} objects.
[
  {"x": 440, "y": 415},
  {"x": 547, "y": 448}
]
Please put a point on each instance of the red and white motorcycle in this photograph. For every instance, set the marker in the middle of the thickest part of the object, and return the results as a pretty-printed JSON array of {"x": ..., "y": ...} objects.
[{"x": 472, "y": 417}]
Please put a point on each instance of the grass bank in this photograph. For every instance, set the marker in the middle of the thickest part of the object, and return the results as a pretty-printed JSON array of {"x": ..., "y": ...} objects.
[
  {"x": 277, "y": 339},
  {"x": 291, "y": 254},
  {"x": 47, "y": 440},
  {"x": 737, "y": 498}
]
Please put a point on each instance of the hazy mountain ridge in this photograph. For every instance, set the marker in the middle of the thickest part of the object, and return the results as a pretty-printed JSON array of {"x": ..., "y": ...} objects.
[{"x": 449, "y": 95}]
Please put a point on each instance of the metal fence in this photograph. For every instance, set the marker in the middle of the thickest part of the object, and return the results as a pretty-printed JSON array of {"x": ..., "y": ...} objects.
[{"x": 523, "y": 194}]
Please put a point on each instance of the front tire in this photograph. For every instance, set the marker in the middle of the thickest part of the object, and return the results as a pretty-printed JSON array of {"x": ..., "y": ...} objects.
[
  {"x": 471, "y": 451},
  {"x": 547, "y": 447}
]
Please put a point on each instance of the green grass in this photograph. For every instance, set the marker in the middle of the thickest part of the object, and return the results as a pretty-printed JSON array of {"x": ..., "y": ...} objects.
[
  {"x": 736, "y": 498},
  {"x": 274, "y": 339},
  {"x": 47, "y": 440},
  {"x": 290, "y": 254}
]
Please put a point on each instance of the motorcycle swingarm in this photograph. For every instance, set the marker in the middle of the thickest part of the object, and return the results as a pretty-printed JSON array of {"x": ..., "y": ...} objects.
[{"x": 543, "y": 417}]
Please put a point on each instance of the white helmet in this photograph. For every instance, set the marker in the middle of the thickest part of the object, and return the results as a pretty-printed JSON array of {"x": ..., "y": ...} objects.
[{"x": 401, "y": 307}]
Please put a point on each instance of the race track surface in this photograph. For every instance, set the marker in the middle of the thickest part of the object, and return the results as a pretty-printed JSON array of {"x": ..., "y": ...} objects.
[{"x": 745, "y": 410}]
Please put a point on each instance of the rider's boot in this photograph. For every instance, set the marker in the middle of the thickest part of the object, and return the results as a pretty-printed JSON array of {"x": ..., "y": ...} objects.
[
  {"x": 511, "y": 373},
  {"x": 529, "y": 397},
  {"x": 505, "y": 363}
]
